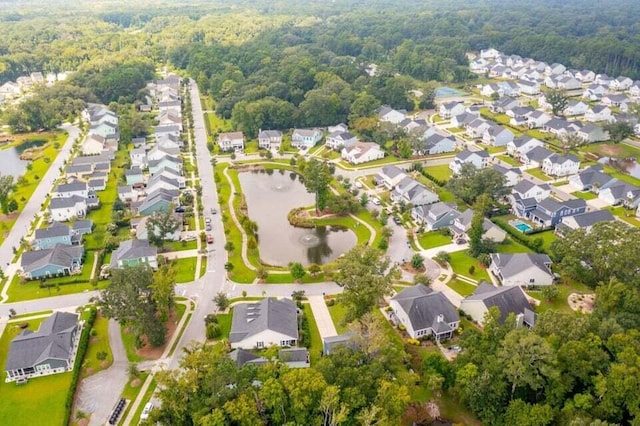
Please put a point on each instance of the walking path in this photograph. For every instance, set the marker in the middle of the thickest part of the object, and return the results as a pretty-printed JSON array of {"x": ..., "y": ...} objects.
[
  {"x": 322, "y": 316},
  {"x": 98, "y": 394}
]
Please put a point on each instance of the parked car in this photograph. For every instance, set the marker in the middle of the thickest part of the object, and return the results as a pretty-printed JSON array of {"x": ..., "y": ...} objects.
[
  {"x": 209, "y": 239},
  {"x": 397, "y": 220},
  {"x": 208, "y": 227},
  {"x": 376, "y": 201},
  {"x": 179, "y": 209},
  {"x": 214, "y": 211},
  {"x": 207, "y": 220},
  {"x": 358, "y": 185},
  {"x": 146, "y": 410}
]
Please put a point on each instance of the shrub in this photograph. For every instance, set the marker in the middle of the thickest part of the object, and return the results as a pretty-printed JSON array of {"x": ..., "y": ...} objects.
[
  {"x": 213, "y": 331},
  {"x": 331, "y": 302},
  {"x": 472, "y": 270},
  {"x": 211, "y": 319},
  {"x": 101, "y": 356}
]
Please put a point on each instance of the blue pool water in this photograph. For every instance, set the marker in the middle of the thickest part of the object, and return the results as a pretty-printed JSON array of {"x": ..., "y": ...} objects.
[
  {"x": 522, "y": 227},
  {"x": 442, "y": 92}
]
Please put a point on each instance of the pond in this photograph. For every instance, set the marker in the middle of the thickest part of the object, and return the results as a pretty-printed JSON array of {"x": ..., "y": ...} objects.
[
  {"x": 270, "y": 196},
  {"x": 11, "y": 163}
]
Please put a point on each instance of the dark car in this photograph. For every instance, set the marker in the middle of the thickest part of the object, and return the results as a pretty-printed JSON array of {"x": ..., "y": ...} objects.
[
  {"x": 179, "y": 209},
  {"x": 208, "y": 227},
  {"x": 397, "y": 220}
]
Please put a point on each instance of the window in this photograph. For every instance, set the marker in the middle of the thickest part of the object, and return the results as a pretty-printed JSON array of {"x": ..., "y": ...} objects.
[
  {"x": 532, "y": 280},
  {"x": 260, "y": 345}
]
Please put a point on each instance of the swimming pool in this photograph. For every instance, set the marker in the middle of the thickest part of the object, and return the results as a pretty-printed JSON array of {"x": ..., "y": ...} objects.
[
  {"x": 521, "y": 226},
  {"x": 442, "y": 92}
]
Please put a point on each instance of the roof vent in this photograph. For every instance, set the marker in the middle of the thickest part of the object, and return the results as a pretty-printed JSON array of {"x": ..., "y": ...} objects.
[{"x": 440, "y": 318}]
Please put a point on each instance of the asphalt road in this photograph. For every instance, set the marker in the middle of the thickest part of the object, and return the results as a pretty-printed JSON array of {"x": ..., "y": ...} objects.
[{"x": 32, "y": 208}]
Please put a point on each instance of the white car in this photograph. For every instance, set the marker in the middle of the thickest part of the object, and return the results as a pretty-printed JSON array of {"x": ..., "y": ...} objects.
[
  {"x": 376, "y": 201},
  {"x": 358, "y": 185},
  {"x": 145, "y": 412}
]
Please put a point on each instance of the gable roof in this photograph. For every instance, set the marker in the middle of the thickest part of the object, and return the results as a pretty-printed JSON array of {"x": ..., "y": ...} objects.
[
  {"x": 272, "y": 314},
  {"x": 538, "y": 154},
  {"x": 55, "y": 230},
  {"x": 132, "y": 249},
  {"x": 66, "y": 202},
  {"x": 585, "y": 220},
  {"x": 507, "y": 299},
  {"x": 423, "y": 306},
  {"x": 511, "y": 264},
  {"x": 52, "y": 340},
  {"x": 60, "y": 255}
]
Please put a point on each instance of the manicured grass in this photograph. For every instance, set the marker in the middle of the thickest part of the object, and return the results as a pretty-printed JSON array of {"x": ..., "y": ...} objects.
[
  {"x": 442, "y": 172},
  {"x": 496, "y": 149},
  {"x": 98, "y": 343},
  {"x": 31, "y": 289},
  {"x": 512, "y": 161},
  {"x": 85, "y": 276},
  {"x": 433, "y": 239},
  {"x": 620, "y": 150},
  {"x": 185, "y": 269},
  {"x": 511, "y": 246},
  {"x": 622, "y": 176},
  {"x": 216, "y": 124},
  {"x": 461, "y": 287},
  {"x": 224, "y": 320},
  {"x": 180, "y": 245},
  {"x": 47, "y": 393},
  {"x": 147, "y": 396},
  {"x": 31, "y": 314},
  {"x": 626, "y": 215},
  {"x": 460, "y": 263},
  {"x": 362, "y": 232},
  {"x": 338, "y": 313},
  {"x": 559, "y": 303},
  {"x": 203, "y": 267},
  {"x": 539, "y": 174},
  {"x": 386, "y": 160},
  {"x": 314, "y": 341},
  {"x": 130, "y": 394},
  {"x": 585, "y": 195}
]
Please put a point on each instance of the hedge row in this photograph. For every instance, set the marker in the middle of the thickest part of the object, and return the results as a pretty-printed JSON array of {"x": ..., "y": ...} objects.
[
  {"x": 534, "y": 244},
  {"x": 77, "y": 367},
  {"x": 433, "y": 179}
]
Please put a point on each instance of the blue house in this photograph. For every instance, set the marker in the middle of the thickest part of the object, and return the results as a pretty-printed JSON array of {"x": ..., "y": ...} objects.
[
  {"x": 549, "y": 212},
  {"x": 438, "y": 144},
  {"x": 82, "y": 227},
  {"x": 168, "y": 162},
  {"x": 133, "y": 176},
  {"x": 59, "y": 260},
  {"x": 57, "y": 233},
  {"x": 158, "y": 201}
]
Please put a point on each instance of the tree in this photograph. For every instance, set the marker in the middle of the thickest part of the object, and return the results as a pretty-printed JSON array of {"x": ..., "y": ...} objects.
[
  {"x": 471, "y": 183},
  {"x": 476, "y": 230},
  {"x": 316, "y": 178},
  {"x": 422, "y": 279},
  {"x": 417, "y": 261},
  {"x": 442, "y": 257},
  {"x": 570, "y": 141},
  {"x": 221, "y": 300},
  {"x": 550, "y": 292},
  {"x": 366, "y": 277},
  {"x": 6, "y": 186},
  {"x": 619, "y": 131},
  {"x": 161, "y": 225},
  {"x": 163, "y": 290},
  {"x": 558, "y": 100},
  {"x": 297, "y": 271}
]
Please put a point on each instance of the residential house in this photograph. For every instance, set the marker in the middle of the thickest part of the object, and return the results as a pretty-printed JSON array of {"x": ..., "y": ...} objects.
[
  {"x": 591, "y": 133},
  {"x": 479, "y": 66},
  {"x": 362, "y": 152},
  {"x": 169, "y": 106},
  {"x": 528, "y": 189},
  {"x": 560, "y": 127},
  {"x": 521, "y": 145},
  {"x": 520, "y": 115},
  {"x": 64, "y": 209},
  {"x": 159, "y": 181},
  {"x": 621, "y": 83},
  {"x": 269, "y": 322},
  {"x": 599, "y": 113},
  {"x": 134, "y": 253},
  {"x": 511, "y": 175},
  {"x": 341, "y": 127},
  {"x": 138, "y": 158},
  {"x": 479, "y": 159},
  {"x": 134, "y": 176},
  {"x": 504, "y": 104},
  {"x": 231, "y": 141},
  {"x": 438, "y": 143},
  {"x": 451, "y": 109},
  {"x": 508, "y": 300},
  {"x": 127, "y": 194},
  {"x": 158, "y": 200},
  {"x": 270, "y": 139},
  {"x": 497, "y": 135},
  {"x": 390, "y": 176},
  {"x": 9, "y": 90},
  {"x": 305, "y": 138},
  {"x": 410, "y": 191},
  {"x": 57, "y": 233},
  {"x": 105, "y": 129},
  {"x": 462, "y": 120},
  {"x": 70, "y": 189},
  {"x": 170, "y": 118},
  {"x": 634, "y": 89},
  {"x": 537, "y": 119},
  {"x": 331, "y": 343},
  {"x": 568, "y": 83},
  {"x": 390, "y": 115},
  {"x": 425, "y": 313},
  {"x": 522, "y": 269},
  {"x": 62, "y": 259},
  {"x": 576, "y": 108},
  {"x": 477, "y": 127},
  {"x": 78, "y": 172},
  {"x": 616, "y": 192},
  {"x": 535, "y": 157},
  {"x": 141, "y": 228},
  {"x": 615, "y": 100},
  {"x": 488, "y": 90},
  {"x": 591, "y": 179},
  {"x": 549, "y": 212},
  {"x": 167, "y": 162},
  {"x": 339, "y": 140},
  {"x": 435, "y": 216},
  {"x": 489, "y": 53},
  {"x": 555, "y": 69},
  {"x": 49, "y": 350},
  {"x": 529, "y": 87},
  {"x": 462, "y": 224},
  {"x": 158, "y": 153},
  {"x": 585, "y": 76},
  {"x": 166, "y": 131},
  {"x": 559, "y": 165},
  {"x": 583, "y": 221},
  {"x": 172, "y": 174},
  {"x": 594, "y": 92},
  {"x": 92, "y": 145},
  {"x": 291, "y": 357},
  {"x": 98, "y": 184}
]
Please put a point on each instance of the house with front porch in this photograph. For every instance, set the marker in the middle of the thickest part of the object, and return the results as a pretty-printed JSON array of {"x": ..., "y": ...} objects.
[
  {"x": 390, "y": 176},
  {"x": 521, "y": 145},
  {"x": 60, "y": 260},
  {"x": 621, "y": 83},
  {"x": 435, "y": 216},
  {"x": 593, "y": 178},
  {"x": 305, "y": 138},
  {"x": 591, "y": 133},
  {"x": 390, "y": 115},
  {"x": 438, "y": 143},
  {"x": 451, "y": 109},
  {"x": 134, "y": 176},
  {"x": 560, "y": 165},
  {"x": 537, "y": 119},
  {"x": 410, "y": 191},
  {"x": 477, "y": 127},
  {"x": 512, "y": 175},
  {"x": 528, "y": 189},
  {"x": 594, "y": 92},
  {"x": 231, "y": 141},
  {"x": 133, "y": 253},
  {"x": 479, "y": 159},
  {"x": 497, "y": 135},
  {"x": 424, "y": 313},
  {"x": 339, "y": 140},
  {"x": 575, "y": 107},
  {"x": 270, "y": 139},
  {"x": 549, "y": 212},
  {"x": 462, "y": 224},
  {"x": 64, "y": 209},
  {"x": 362, "y": 152},
  {"x": 585, "y": 76},
  {"x": 599, "y": 113},
  {"x": 521, "y": 269},
  {"x": 535, "y": 157}
]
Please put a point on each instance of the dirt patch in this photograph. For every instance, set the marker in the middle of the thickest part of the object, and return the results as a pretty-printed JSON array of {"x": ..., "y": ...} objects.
[
  {"x": 94, "y": 339},
  {"x": 104, "y": 364},
  {"x": 135, "y": 383},
  {"x": 410, "y": 269},
  {"x": 82, "y": 422},
  {"x": 611, "y": 150},
  {"x": 582, "y": 302},
  {"x": 88, "y": 371},
  {"x": 8, "y": 217},
  {"x": 149, "y": 352}
]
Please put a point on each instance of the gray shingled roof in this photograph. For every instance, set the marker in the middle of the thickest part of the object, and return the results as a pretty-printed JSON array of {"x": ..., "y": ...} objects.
[
  {"x": 52, "y": 340},
  {"x": 66, "y": 202},
  {"x": 507, "y": 299},
  {"x": 59, "y": 255},
  {"x": 423, "y": 306},
  {"x": 586, "y": 220},
  {"x": 512, "y": 264},
  {"x": 392, "y": 171},
  {"x": 269, "y": 314},
  {"x": 131, "y": 250},
  {"x": 52, "y": 232},
  {"x": 241, "y": 357},
  {"x": 82, "y": 224},
  {"x": 71, "y": 187}
]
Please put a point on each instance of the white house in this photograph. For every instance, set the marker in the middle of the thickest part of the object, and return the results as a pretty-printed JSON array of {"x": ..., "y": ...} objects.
[
  {"x": 508, "y": 300},
  {"x": 529, "y": 87},
  {"x": 489, "y": 53},
  {"x": 305, "y": 138},
  {"x": 511, "y": 175},
  {"x": 479, "y": 159},
  {"x": 339, "y": 140},
  {"x": 497, "y": 135},
  {"x": 537, "y": 119},
  {"x": 585, "y": 76},
  {"x": 621, "y": 83},
  {"x": 269, "y": 139},
  {"x": 450, "y": 109},
  {"x": 362, "y": 152},
  {"x": 576, "y": 108},
  {"x": 598, "y": 113},
  {"x": 477, "y": 127},
  {"x": 390, "y": 176},
  {"x": 424, "y": 313},
  {"x": 63, "y": 209},
  {"x": 390, "y": 115},
  {"x": 138, "y": 158},
  {"x": 528, "y": 189},
  {"x": 521, "y": 269},
  {"x": 592, "y": 133},
  {"x": 559, "y": 165},
  {"x": 231, "y": 141},
  {"x": 269, "y": 322},
  {"x": 70, "y": 189},
  {"x": 521, "y": 145}
]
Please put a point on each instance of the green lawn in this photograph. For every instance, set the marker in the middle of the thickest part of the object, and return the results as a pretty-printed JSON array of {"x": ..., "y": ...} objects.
[
  {"x": 31, "y": 289},
  {"x": 608, "y": 149},
  {"x": 98, "y": 343},
  {"x": 180, "y": 245},
  {"x": 626, "y": 215},
  {"x": 461, "y": 287},
  {"x": 203, "y": 267},
  {"x": 433, "y": 239},
  {"x": 338, "y": 313},
  {"x": 460, "y": 263},
  {"x": 386, "y": 160},
  {"x": 362, "y": 232},
  {"x": 145, "y": 399},
  {"x": 622, "y": 176},
  {"x": 539, "y": 174},
  {"x": 48, "y": 393},
  {"x": 131, "y": 393},
  {"x": 559, "y": 303},
  {"x": 511, "y": 246},
  {"x": 314, "y": 341},
  {"x": 185, "y": 269},
  {"x": 585, "y": 195},
  {"x": 509, "y": 160},
  {"x": 496, "y": 149},
  {"x": 442, "y": 172},
  {"x": 224, "y": 320}
]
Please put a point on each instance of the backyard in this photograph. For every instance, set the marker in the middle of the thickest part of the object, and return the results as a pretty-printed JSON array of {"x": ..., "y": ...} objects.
[
  {"x": 461, "y": 264},
  {"x": 185, "y": 269},
  {"x": 433, "y": 239}
]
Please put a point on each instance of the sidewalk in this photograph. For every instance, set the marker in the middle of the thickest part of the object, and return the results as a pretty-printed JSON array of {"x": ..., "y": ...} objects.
[{"x": 322, "y": 316}]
